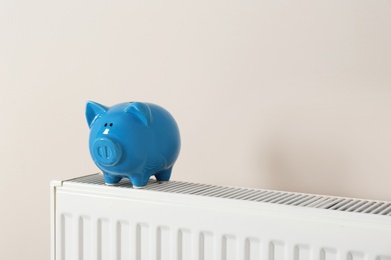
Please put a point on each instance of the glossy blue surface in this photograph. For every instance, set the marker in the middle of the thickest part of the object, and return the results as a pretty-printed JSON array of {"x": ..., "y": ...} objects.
[{"x": 134, "y": 140}]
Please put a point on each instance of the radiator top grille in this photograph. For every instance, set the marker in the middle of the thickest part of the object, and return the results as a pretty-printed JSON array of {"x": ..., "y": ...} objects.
[{"x": 257, "y": 195}]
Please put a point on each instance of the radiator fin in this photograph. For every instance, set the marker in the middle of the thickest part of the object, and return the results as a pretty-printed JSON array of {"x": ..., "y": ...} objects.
[
  {"x": 142, "y": 241},
  {"x": 302, "y": 252},
  {"x": 184, "y": 245},
  {"x": 67, "y": 237},
  {"x": 229, "y": 249},
  {"x": 258, "y": 195},
  {"x": 85, "y": 238},
  {"x": 356, "y": 256},
  {"x": 164, "y": 243},
  {"x": 328, "y": 254},
  {"x": 277, "y": 250},
  {"x": 206, "y": 246},
  {"x": 123, "y": 240},
  {"x": 253, "y": 249},
  {"x": 103, "y": 239}
]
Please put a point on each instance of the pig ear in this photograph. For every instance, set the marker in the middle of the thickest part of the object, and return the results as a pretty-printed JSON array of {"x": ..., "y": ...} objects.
[
  {"x": 141, "y": 110},
  {"x": 93, "y": 110}
]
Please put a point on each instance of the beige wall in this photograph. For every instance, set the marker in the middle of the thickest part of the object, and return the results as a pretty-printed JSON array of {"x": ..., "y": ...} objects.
[{"x": 290, "y": 95}]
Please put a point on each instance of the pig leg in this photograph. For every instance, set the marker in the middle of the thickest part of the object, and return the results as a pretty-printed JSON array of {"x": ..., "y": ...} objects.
[
  {"x": 164, "y": 175},
  {"x": 111, "y": 179},
  {"x": 139, "y": 181}
]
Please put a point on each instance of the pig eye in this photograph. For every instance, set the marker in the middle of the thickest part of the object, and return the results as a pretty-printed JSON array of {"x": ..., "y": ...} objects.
[
  {"x": 111, "y": 124},
  {"x": 105, "y": 124}
]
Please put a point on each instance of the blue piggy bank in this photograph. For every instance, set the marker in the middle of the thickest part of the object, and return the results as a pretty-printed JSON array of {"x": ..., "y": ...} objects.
[{"x": 134, "y": 140}]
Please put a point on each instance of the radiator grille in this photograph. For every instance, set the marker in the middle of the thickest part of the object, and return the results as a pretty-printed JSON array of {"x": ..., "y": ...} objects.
[{"x": 258, "y": 195}]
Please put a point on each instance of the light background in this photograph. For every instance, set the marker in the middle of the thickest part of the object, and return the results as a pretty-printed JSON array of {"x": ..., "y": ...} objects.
[{"x": 288, "y": 95}]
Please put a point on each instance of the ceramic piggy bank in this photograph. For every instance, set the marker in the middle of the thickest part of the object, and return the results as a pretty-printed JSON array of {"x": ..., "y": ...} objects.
[{"x": 134, "y": 140}]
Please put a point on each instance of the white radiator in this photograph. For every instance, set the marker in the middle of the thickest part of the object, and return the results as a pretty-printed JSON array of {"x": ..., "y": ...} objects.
[{"x": 178, "y": 220}]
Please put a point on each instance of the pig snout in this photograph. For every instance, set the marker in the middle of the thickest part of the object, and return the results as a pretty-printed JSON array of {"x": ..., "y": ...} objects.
[{"x": 106, "y": 151}]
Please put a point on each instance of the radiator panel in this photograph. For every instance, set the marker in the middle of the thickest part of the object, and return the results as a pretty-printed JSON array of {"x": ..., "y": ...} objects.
[{"x": 93, "y": 221}]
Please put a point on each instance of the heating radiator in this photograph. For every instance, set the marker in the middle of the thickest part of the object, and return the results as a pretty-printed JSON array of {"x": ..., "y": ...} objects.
[{"x": 187, "y": 221}]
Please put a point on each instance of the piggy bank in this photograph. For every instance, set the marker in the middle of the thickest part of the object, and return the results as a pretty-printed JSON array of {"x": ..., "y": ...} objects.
[{"x": 134, "y": 140}]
